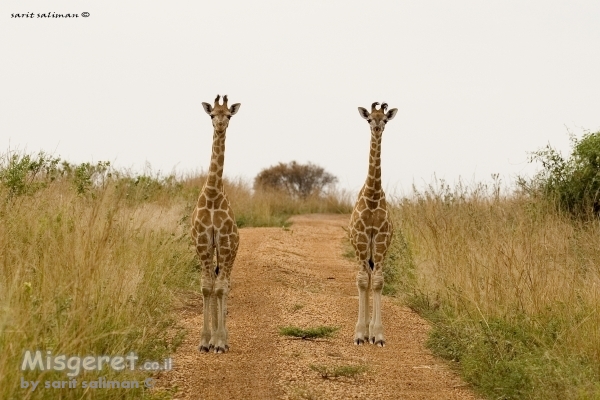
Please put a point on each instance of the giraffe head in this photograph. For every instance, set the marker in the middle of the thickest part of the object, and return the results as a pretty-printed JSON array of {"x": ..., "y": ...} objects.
[
  {"x": 220, "y": 114},
  {"x": 378, "y": 117}
]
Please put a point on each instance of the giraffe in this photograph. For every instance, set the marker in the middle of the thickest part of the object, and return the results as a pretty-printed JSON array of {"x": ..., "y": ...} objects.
[
  {"x": 370, "y": 232},
  {"x": 215, "y": 235}
]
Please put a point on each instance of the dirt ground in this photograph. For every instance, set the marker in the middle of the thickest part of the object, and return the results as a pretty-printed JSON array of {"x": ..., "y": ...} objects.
[{"x": 298, "y": 276}]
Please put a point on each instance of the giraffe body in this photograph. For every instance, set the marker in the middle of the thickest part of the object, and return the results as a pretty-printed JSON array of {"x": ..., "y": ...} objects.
[
  {"x": 370, "y": 232},
  {"x": 215, "y": 235}
]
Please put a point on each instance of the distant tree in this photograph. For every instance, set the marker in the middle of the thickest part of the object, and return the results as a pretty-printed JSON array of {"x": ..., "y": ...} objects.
[{"x": 298, "y": 180}]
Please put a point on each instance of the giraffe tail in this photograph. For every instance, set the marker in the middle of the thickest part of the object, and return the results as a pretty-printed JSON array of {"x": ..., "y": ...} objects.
[
  {"x": 217, "y": 267},
  {"x": 216, "y": 253},
  {"x": 370, "y": 254}
]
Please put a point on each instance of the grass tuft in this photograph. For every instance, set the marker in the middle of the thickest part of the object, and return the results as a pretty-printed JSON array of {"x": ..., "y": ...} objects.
[{"x": 318, "y": 332}]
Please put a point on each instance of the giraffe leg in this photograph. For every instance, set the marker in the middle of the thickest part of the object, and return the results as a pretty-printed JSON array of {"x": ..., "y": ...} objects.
[
  {"x": 376, "y": 327},
  {"x": 214, "y": 319},
  {"x": 361, "y": 335},
  {"x": 207, "y": 295},
  {"x": 221, "y": 335}
]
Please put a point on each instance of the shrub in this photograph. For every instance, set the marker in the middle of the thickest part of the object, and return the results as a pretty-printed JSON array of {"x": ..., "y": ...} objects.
[
  {"x": 297, "y": 180},
  {"x": 24, "y": 174},
  {"x": 85, "y": 175},
  {"x": 573, "y": 184}
]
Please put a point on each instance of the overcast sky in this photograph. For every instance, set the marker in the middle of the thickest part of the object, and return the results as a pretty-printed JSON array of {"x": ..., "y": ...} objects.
[{"x": 478, "y": 84}]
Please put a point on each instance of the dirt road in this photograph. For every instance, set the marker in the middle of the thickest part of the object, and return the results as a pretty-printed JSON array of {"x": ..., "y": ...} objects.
[{"x": 298, "y": 276}]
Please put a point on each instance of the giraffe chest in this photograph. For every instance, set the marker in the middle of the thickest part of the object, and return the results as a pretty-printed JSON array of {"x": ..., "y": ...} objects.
[
  {"x": 370, "y": 218},
  {"x": 213, "y": 217},
  {"x": 372, "y": 212}
]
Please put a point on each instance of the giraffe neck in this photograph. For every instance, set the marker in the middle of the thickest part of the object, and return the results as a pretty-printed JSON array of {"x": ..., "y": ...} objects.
[
  {"x": 372, "y": 188},
  {"x": 217, "y": 159}
]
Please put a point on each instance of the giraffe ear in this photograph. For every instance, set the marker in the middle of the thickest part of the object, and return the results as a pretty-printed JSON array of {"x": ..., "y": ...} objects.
[
  {"x": 207, "y": 107},
  {"x": 234, "y": 108},
  {"x": 363, "y": 113},
  {"x": 391, "y": 114}
]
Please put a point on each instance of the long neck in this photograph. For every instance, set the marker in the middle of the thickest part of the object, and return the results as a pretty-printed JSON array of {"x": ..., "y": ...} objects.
[
  {"x": 217, "y": 159},
  {"x": 372, "y": 188}
]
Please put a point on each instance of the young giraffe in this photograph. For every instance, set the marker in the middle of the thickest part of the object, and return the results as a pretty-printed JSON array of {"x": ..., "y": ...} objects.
[
  {"x": 371, "y": 233},
  {"x": 215, "y": 235}
]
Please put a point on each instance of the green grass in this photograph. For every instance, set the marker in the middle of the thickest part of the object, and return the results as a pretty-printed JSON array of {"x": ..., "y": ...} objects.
[
  {"x": 339, "y": 371},
  {"x": 318, "y": 332},
  {"x": 515, "y": 358}
]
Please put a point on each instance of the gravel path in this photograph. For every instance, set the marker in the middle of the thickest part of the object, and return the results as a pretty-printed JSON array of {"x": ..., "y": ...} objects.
[{"x": 298, "y": 276}]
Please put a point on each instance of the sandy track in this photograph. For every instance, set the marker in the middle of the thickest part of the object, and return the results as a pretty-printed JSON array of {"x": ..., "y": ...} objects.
[{"x": 299, "y": 277}]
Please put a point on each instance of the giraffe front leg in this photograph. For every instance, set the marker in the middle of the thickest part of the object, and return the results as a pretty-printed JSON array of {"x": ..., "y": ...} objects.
[
  {"x": 207, "y": 295},
  {"x": 361, "y": 335},
  {"x": 221, "y": 335},
  {"x": 376, "y": 326},
  {"x": 214, "y": 316}
]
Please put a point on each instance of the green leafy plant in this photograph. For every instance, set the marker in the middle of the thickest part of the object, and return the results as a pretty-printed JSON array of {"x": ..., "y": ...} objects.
[
  {"x": 571, "y": 184},
  {"x": 24, "y": 174}
]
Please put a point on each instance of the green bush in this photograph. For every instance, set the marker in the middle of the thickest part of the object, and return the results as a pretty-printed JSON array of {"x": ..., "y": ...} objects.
[
  {"x": 24, "y": 174},
  {"x": 573, "y": 184}
]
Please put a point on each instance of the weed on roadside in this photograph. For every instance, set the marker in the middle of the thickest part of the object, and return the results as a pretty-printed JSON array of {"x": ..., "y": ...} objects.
[{"x": 319, "y": 332}]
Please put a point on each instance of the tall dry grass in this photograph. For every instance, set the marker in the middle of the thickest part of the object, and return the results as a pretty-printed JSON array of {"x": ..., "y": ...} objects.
[
  {"x": 86, "y": 275},
  {"x": 512, "y": 287},
  {"x": 92, "y": 261}
]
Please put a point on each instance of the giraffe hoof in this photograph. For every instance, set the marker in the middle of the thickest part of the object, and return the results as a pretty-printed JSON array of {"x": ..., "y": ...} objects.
[
  {"x": 220, "y": 350},
  {"x": 358, "y": 342},
  {"x": 380, "y": 343},
  {"x": 203, "y": 349}
]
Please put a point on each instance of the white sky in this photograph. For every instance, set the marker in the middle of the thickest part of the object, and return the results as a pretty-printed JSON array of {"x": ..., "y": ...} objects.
[{"x": 478, "y": 84}]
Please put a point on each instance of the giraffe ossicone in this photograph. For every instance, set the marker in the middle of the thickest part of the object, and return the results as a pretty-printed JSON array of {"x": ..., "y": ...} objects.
[
  {"x": 370, "y": 231},
  {"x": 215, "y": 235}
]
